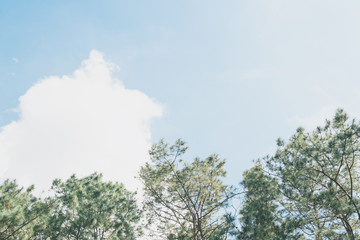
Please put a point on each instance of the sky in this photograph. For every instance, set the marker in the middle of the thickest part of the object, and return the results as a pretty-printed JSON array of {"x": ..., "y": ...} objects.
[{"x": 90, "y": 85}]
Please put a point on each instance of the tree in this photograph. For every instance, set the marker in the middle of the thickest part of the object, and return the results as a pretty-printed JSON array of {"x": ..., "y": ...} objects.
[
  {"x": 185, "y": 200},
  {"x": 21, "y": 214},
  {"x": 260, "y": 217},
  {"x": 318, "y": 178},
  {"x": 258, "y": 210},
  {"x": 89, "y": 208}
]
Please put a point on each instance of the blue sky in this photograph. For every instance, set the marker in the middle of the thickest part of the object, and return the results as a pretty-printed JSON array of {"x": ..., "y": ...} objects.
[{"x": 231, "y": 76}]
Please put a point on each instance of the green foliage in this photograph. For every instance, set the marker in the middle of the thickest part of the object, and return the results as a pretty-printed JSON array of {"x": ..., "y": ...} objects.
[
  {"x": 318, "y": 178},
  {"x": 21, "y": 214},
  {"x": 260, "y": 217},
  {"x": 89, "y": 208},
  {"x": 309, "y": 189},
  {"x": 258, "y": 211},
  {"x": 185, "y": 200}
]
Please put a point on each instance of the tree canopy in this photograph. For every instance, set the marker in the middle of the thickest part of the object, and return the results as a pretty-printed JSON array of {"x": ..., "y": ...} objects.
[
  {"x": 308, "y": 189},
  {"x": 318, "y": 178},
  {"x": 21, "y": 213},
  {"x": 89, "y": 208},
  {"x": 186, "y": 199}
]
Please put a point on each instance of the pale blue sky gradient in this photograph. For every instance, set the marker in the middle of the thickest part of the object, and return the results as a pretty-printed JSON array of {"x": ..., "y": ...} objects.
[{"x": 233, "y": 75}]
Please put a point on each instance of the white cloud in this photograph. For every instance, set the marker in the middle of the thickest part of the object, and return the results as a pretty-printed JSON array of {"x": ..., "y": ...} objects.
[
  {"x": 317, "y": 119},
  {"x": 78, "y": 124},
  {"x": 16, "y": 60},
  {"x": 326, "y": 112}
]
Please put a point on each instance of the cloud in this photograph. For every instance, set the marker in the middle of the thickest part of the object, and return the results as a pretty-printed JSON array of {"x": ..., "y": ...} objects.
[
  {"x": 317, "y": 119},
  {"x": 327, "y": 112},
  {"x": 79, "y": 124},
  {"x": 16, "y": 60}
]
